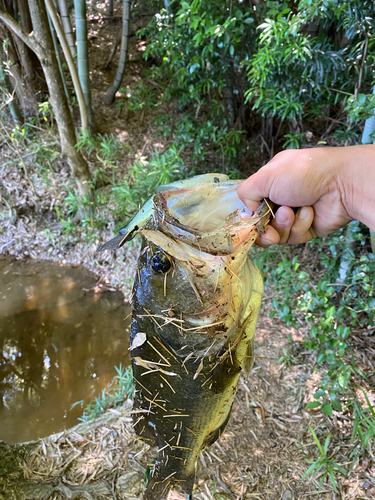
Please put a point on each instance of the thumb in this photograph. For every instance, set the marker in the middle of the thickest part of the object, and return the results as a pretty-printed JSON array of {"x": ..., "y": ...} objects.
[{"x": 254, "y": 189}]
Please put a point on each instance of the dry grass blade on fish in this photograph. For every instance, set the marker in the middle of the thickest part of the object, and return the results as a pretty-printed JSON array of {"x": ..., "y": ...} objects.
[{"x": 193, "y": 356}]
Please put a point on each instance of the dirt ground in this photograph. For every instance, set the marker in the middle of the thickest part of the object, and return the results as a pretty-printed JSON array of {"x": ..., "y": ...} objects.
[{"x": 267, "y": 444}]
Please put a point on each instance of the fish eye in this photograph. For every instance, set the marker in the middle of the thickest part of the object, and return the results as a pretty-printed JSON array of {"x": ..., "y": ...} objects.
[{"x": 160, "y": 263}]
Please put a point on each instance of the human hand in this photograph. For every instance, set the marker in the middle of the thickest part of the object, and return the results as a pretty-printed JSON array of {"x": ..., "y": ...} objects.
[{"x": 317, "y": 181}]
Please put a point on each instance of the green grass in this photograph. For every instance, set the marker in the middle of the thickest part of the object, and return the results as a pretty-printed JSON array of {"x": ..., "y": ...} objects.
[
  {"x": 120, "y": 389},
  {"x": 330, "y": 468}
]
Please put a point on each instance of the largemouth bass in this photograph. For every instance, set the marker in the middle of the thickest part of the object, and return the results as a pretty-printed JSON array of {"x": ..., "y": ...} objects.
[{"x": 195, "y": 303}]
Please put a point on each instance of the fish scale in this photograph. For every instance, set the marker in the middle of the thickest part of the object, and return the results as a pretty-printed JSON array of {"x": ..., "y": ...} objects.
[
  {"x": 170, "y": 400},
  {"x": 195, "y": 302}
]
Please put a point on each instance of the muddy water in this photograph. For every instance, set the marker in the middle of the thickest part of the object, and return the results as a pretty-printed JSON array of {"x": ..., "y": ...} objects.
[{"x": 59, "y": 343}]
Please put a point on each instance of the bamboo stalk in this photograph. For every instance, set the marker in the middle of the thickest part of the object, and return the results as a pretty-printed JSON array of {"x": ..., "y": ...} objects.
[
  {"x": 54, "y": 39},
  {"x": 83, "y": 53},
  {"x": 110, "y": 8},
  {"x": 110, "y": 94},
  {"x": 71, "y": 65},
  {"x": 67, "y": 25}
]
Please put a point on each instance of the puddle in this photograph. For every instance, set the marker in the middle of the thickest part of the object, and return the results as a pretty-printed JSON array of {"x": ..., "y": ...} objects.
[{"x": 59, "y": 343}]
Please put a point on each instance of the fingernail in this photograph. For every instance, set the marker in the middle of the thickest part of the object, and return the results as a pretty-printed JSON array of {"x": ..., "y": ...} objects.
[
  {"x": 303, "y": 213},
  {"x": 281, "y": 217}
]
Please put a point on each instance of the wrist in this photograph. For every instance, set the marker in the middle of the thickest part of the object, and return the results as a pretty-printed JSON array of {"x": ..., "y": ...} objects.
[{"x": 356, "y": 182}]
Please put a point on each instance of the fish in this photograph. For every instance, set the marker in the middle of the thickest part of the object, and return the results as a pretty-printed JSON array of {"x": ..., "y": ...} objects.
[{"x": 195, "y": 303}]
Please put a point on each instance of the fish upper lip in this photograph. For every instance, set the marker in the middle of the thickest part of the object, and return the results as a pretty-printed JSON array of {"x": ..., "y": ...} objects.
[{"x": 155, "y": 214}]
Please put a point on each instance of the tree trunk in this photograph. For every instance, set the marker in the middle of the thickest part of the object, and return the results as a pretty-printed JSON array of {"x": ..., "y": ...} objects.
[
  {"x": 83, "y": 53},
  {"x": 9, "y": 97},
  {"x": 26, "y": 62},
  {"x": 67, "y": 25},
  {"x": 111, "y": 92},
  {"x": 40, "y": 41},
  {"x": 23, "y": 79},
  {"x": 23, "y": 9},
  {"x": 27, "y": 57}
]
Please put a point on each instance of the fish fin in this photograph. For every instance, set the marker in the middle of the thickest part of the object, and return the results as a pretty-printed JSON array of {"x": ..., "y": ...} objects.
[
  {"x": 249, "y": 358},
  {"x": 214, "y": 435}
]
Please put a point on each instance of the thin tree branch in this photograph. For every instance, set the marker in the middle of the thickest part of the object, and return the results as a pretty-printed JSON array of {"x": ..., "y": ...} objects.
[
  {"x": 54, "y": 40},
  {"x": 114, "y": 48},
  {"x": 17, "y": 29}
]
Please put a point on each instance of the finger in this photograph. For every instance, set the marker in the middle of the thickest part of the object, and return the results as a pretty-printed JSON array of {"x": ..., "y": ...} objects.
[
  {"x": 302, "y": 230},
  {"x": 270, "y": 237},
  {"x": 254, "y": 189},
  {"x": 283, "y": 222}
]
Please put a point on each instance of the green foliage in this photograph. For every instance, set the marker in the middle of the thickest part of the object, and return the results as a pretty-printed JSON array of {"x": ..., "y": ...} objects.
[
  {"x": 306, "y": 61},
  {"x": 28, "y": 142},
  {"x": 119, "y": 198},
  {"x": 328, "y": 306},
  {"x": 292, "y": 73},
  {"x": 45, "y": 111},
  {"x": 323, "y": 462},
  {"x": 199, "y": 136},
  {"x": 107, "y": 150},
  {"x": 120, "y": 389},
  {"x": 363, "y": 426},
  {"x": 200, "y": 47},
  {"x": 294, "y": 140},
  {"x": 199, "y": 62},
  {"x": 140, "y": 97},
  {"x": 143, "y": 179},
  {"x": 287, "y": 359}
]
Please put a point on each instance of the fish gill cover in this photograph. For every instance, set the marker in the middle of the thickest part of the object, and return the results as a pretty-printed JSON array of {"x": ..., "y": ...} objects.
[{"x": 195, "y": 303}]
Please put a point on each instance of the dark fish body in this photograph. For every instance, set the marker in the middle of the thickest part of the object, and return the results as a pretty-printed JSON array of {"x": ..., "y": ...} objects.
[{"x": 195, "y": 303}]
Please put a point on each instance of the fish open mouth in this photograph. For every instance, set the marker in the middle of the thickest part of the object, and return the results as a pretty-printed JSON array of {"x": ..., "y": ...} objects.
[
  {"x": 204, "y": 212},
  {"x": 206, "y": 207}
]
